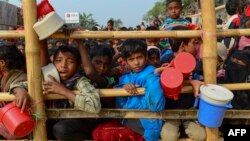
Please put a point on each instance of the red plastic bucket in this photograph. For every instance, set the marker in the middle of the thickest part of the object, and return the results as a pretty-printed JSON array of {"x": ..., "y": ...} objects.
[
  {"x": 18, "y": 124},
  {"x": 171, "y": 82},
  {"x": 43, "y": 8},
  {"x": 185, "y": 62}
]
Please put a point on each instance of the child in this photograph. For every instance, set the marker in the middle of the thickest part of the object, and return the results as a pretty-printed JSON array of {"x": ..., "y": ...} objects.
[
  {"x": 174, "y": 8},
  {"x": 67, "y": 61},
  {"x": 11, "y": 64},
  {"x": 170, "y": 129},
  {"x": 134, "y": 52},
  {"x": 97, "y": 63},
  {"x": 154, "y": 56}
]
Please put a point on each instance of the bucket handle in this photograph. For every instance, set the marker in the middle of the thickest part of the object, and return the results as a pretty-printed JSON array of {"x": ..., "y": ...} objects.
[
  {"x": 196, "y": 103},
  {"x": 229, "y": 105}
]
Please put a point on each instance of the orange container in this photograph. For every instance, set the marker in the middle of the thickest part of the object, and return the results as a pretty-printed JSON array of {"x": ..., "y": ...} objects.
[
  {"x": 18, "y": 124},
  {"x": 185, "y": 62},
  {"x": 43, "y": 8},
  {"x": 171, "y": 82}
]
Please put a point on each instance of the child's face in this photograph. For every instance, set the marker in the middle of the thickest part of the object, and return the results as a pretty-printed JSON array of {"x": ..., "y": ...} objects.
[
  {"x": 154, "y": 60},
  {"x": 152, "y": 41},
  {"x": 66, "y": 65},
  {"x": 174, "y": 10},
  {"x": 136, "y": 62},
  {"x": 191, "y": 46},
  {"x": 102, "y": 64}
]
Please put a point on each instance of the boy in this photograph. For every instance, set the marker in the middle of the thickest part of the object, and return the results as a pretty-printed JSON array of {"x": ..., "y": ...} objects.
[
  {"x": 171, "y": 128},
  {"x": 174, "y": 8},
  {"x": 134, "y": 52}
]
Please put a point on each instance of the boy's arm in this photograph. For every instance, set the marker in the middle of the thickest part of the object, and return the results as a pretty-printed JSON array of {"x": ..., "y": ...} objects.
[
  {"x": 89, "y": 98},
  {"x": 19, "y": 89},
  {"x": 88, "y": 68},
  {"x": 195, "y": 84},
  {"x": 153, "y": 94}
]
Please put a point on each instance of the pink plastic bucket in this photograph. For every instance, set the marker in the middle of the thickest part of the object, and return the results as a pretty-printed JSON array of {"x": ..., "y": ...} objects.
[
  {"x": 171, "y": 82},
  {"x": 185, "y": 62},
  {"x": 18, "y": 124},
  {"x": 43, "y": 8}
]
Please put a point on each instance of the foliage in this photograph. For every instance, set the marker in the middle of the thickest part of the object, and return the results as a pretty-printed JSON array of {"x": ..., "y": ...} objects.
[
  {"x": 87, "y": 21},
  {"x": 157, "y": 11}
]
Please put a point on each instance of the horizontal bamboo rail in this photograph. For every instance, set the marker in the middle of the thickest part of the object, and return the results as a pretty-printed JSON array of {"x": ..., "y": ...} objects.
[
  {"x": 11, "y": 34},
  {"x": 131, "y": 113},
  {"x": 103, "y": 93},
  {"x": 133, "y": 34},
  {"x": 121, "y": 92}
]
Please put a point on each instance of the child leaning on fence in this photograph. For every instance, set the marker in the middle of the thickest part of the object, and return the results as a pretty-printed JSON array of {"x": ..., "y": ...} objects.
[
  {"x": 11, "y": 64},
  {"x": 134, "y": 52},
  {"x": 67, "y": 62},
  {"x": 171, "y": 128}
]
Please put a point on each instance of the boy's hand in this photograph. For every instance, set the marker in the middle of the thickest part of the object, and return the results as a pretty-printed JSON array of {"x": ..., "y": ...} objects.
[
  {"x": 196, "y": 86},
  {"x": 22, "y": 98},
  {"x": 160, "y": 69},
  {"x": 131, "y": 88},
  {"x": 54, "y": 87}
]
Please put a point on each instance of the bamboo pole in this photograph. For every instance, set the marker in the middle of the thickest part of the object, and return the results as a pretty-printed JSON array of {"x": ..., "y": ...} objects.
[
  {"x": 121, "y": 92},
  {"x": 148, "y": 34},
  {"x": 209, "y": 57},
  {"x": 34, "y": 69},
  {"x": 11, "y": 34},
  {"x": 132, "y": 113},
  {"x": 132, "y": 34},
  {"x": 103, "y": 93}
]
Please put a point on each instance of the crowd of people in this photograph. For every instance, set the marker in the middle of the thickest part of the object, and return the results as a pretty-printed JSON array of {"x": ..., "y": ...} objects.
[{"x": 90, "y": 64}]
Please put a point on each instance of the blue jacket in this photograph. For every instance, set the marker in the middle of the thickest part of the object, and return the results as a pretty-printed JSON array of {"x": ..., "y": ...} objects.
[{"x": 153, "y": 99}]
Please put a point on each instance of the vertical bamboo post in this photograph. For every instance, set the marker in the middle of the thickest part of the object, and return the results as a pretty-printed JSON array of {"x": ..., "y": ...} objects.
[
  {"x": 34, "y": 69},
  {"x": 209, "y": 51}
]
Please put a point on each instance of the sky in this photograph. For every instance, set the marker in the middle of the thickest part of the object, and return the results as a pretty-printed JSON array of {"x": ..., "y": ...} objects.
[{"x": 129, "y": 11}]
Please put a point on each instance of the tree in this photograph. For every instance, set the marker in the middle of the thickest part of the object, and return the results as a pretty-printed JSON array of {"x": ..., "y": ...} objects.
[
  {"x": 87, "y": 21},
  {"x": 159, "y": 9}
]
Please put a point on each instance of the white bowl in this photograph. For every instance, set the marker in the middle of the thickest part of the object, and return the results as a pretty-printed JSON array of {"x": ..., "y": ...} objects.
[
  {"x": 48, "y": 25},
  {"x": 50, "y": 69}
]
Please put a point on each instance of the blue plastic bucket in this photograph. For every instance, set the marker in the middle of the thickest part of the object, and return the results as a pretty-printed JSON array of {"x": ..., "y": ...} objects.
[{"x": 210, "y": 114}]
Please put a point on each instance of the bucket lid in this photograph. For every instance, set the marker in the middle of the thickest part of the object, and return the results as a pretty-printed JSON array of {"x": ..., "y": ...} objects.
[
  {"x": 171, "y": 78},
  {"x": 185, "y": 62},
  {"x": 216, "y": 93},
  {"x": 50, "y": 69}
]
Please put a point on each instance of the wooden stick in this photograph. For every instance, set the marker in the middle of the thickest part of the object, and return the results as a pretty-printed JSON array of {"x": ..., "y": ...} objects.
[
  {"x": 121, "y": 92},
  {"x": 34, "y": 68},
  {"x": 11, "y": 34},
  {"x": 132, "y": 34},
  {"x": 209, "y": 52},
  {"x": 131, "y": 113}
]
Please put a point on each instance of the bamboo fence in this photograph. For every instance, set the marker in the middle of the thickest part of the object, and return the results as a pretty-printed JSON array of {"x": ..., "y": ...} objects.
[{"x": 208, "y": 34}]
